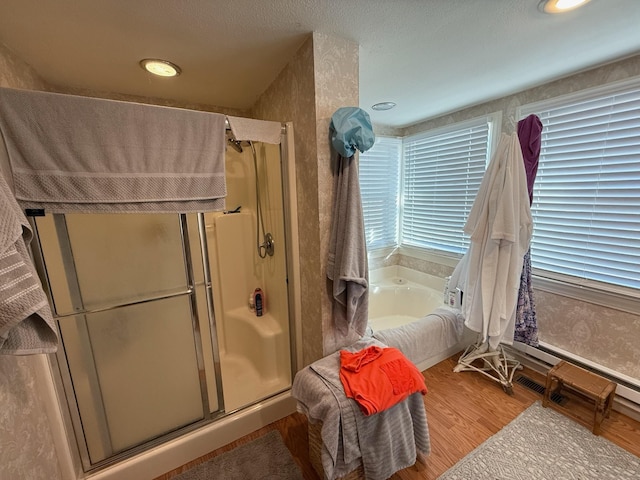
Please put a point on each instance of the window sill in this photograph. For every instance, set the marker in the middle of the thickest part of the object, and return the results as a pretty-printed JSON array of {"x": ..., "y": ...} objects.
[
  {"x": 378, "y": 253},
  {"x": 435, "y": 256}
]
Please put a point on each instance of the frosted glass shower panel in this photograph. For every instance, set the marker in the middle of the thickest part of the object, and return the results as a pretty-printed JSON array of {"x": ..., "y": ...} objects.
[
  {"x": 124, "y": 258},
  {"x": 146, "y": 365}
]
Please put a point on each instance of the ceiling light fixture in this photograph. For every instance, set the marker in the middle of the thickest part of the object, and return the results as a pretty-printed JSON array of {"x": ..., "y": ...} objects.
[
  {"x": 162, "y": 68},
  {"x": 560, "y": 6},
  {"x": 383, "y": 106}
]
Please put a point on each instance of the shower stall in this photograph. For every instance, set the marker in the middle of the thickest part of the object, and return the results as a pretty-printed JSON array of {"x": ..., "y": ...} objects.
[{"x": 159, "y": 339}]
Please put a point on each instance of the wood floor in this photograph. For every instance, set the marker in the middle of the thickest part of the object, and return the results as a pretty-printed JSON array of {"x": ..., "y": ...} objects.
[{"x": 463, "y": 410}]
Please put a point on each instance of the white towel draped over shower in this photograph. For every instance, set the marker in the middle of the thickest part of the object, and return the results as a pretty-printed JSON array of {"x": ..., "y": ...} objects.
[
  {"x": 255, "y": 130},
  {"x": 70, "y": 153},
  {"x": 500, "y": 226}
]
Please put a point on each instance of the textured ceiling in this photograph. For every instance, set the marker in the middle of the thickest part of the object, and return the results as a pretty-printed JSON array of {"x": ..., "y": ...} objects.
[{"x": 428, "y": 56}]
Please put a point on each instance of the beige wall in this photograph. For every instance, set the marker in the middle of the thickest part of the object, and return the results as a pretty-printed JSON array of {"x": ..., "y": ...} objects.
[
  {"x": 26, "y": 444},
  {"x": 322, "y": 77},
  {"x": 150, "y": 100},
  {"x": 603, "y": 335},
  {"x": 291, "y": 98},
  {"x": 337, "y": 85}
]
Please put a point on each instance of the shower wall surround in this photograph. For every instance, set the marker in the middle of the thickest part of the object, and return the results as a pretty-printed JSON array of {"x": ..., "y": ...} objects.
[
  {"x": 26, "y": 444},
  {"x": 602, "y": 335}
]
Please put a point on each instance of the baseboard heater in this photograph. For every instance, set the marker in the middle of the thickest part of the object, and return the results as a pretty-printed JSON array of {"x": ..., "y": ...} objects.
[{"x": 628, "y": 388}]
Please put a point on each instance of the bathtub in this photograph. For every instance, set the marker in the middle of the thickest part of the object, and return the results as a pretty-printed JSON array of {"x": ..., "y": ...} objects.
[
  {"x": 407, "y": 311},
  {"x": 399, "y": 295}
]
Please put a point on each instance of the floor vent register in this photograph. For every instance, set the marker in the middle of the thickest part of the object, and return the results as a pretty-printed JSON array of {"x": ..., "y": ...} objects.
[{"x": 537, "y": 387}]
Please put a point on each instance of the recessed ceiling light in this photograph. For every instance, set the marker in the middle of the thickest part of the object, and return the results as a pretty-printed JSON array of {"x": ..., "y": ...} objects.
[
  {"x": 162, "y": 68},
  {"x": 560, "y": 6},
  {"x": 383, "y": 106}
]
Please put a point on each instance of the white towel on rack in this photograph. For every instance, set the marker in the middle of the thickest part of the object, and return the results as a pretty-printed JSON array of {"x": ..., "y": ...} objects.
[{"x": 255, "y": 130}]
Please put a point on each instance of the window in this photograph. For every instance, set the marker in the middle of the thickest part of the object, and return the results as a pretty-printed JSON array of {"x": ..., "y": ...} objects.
[
  {"x": 438, "y": 172},
  {"x": 442, "y": 172},
  {"x": 586, "y": 205},
  {"x": 380, "y": 186}
]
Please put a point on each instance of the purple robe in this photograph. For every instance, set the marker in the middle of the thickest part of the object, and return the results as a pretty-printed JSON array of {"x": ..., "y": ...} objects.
[
  {"x": 526, "y": 325},
  {"x": 530, "y": 136}
]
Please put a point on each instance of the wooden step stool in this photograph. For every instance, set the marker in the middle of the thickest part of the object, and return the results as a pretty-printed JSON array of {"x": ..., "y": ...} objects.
[{"x": 589, "y": 384}]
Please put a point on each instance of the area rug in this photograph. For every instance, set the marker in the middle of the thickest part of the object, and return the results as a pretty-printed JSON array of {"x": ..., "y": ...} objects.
[
  {"x": 266, "y": 457},
  {"x": 543, "y": 444}
]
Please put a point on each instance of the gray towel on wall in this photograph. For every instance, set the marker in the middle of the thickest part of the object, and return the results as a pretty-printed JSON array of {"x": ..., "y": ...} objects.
[
  {"x": 71, "y": 153},
  {"x": 26, "y": 323},
  {"x": 347, "y": 265}
]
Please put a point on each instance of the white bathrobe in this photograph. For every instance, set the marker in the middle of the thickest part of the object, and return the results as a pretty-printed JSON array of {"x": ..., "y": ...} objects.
[{"x": 500, "y": 227}]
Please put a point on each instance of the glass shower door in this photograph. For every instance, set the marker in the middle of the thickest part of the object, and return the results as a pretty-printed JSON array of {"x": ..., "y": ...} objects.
[{"x": 131, "y": 309}]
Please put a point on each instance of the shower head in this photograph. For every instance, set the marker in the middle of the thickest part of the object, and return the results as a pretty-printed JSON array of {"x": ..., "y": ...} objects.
[{"x": 236, "y": 144}]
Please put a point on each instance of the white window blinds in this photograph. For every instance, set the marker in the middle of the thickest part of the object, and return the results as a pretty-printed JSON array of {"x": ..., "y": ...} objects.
[
  {"x": 442, "y": 173},
  {"x": 586, "y": 206},
  {"x": 380, "y": 186}
]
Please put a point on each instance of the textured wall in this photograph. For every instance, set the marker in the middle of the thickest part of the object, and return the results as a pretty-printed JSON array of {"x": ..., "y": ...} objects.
[
  {"x": 14, "y": 73},
  {"x": 291, "y": 97},
  {"x": 321, "y": 78},
  {"x": 337, "y": 85},
  {"x": 149, "y": 100},
  {"x": 603, "y": 335},
  {"x": 26, "y": 445}
]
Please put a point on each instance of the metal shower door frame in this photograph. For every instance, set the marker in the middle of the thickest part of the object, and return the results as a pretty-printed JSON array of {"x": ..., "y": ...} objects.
[{"x": 63, "y": 371}]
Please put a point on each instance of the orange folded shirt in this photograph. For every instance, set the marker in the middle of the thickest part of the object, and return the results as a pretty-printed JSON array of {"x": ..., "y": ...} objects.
[{"x": 378, "y": 378}]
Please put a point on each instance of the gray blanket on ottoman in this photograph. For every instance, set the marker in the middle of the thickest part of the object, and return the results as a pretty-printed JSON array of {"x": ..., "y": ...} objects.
[{"x": 385, "y": 442}]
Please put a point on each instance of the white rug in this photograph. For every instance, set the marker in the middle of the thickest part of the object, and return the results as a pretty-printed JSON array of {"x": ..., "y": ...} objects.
[{"x": 543, "y": 444}]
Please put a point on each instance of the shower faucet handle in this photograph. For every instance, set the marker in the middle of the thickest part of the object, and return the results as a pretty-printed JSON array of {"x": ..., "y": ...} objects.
[{"x": 268, "y": 244}]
